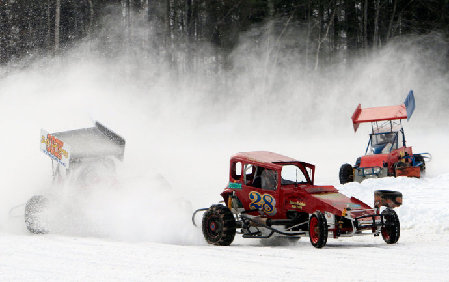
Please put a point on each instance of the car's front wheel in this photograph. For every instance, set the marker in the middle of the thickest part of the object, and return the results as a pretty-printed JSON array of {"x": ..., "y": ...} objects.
[
  {"x": 318, "y": 230},
  {"x": 392, "y": 229},
  {"x": 35, "y": 213},
  {"x": 346, "y": 174}
]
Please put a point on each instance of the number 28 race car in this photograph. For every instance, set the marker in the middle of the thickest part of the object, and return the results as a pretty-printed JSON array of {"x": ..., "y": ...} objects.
[{"x": 271, "y": 194}]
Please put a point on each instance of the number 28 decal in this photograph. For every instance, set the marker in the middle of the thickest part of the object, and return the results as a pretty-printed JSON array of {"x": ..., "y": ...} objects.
[{"x": 264, "y": 202}]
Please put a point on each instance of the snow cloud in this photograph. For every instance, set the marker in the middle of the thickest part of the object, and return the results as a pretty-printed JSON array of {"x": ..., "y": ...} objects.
[{"x": 182, "y": 126}]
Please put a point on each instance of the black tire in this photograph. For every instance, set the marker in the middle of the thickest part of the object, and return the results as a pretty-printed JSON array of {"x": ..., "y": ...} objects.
[
  {"x": 392, "y": 229},
  {"x": 346, "y": 174},
  {"x": 219, "y": 225},
  {"x": 33, "y": 214},
  {"x": 419, "y": 158},
  {"x": 318, "y": 230}
]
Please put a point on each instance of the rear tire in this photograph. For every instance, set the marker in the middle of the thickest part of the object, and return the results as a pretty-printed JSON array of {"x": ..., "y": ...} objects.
[
  {"x": 219, "y": 225},
  {"x": 346, "y": 174},
  {"x": 318, "y": 230},
  {"x": 419, "y": 158},
  {"x": 392, "y": 229},
  {"x": 33, "y": 214}
]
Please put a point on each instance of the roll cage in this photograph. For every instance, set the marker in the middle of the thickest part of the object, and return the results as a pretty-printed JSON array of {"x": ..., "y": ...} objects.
[
  {"x": 238, "y": 173},
  {"x": 385, "y": 138}
]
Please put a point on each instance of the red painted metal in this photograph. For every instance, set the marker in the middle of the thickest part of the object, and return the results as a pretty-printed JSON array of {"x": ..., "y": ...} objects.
[
  {"x": 306, "y": 198},
  {"x": 373, "y": 160},
  {"x": 389, "y": 161},
  {"x": 377, "y": 114},
  {"x": 408, "y": 171},
  {"x": 264, "y": 157}
]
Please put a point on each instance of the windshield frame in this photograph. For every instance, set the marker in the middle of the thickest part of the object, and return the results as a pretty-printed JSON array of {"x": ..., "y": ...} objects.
[
  {"x": 395, "y": 145},
  {"x": 303, "y": 168}
]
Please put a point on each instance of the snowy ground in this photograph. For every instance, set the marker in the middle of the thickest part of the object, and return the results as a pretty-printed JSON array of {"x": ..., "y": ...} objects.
[
  {"x": 423, "y": 257},
  {"x": 180, "y": 133},
  {"x": 422, "y": 253}
]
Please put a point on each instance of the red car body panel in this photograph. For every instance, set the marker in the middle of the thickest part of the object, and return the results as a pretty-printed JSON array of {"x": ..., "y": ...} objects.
[
  {"x": 409, "y": 172},
  {"x": 306, "y": 198},
  {"x": 388, "y": 160},
  {"x": 377, "y": 114},
  {"x": 373, "y": 160}
]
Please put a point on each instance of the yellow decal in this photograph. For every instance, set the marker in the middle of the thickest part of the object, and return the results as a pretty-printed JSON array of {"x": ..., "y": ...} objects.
[
  {"x": 264, "y": 202},
  {"x": 54, "y": 146},
  {"x": 297, "y": 204}
]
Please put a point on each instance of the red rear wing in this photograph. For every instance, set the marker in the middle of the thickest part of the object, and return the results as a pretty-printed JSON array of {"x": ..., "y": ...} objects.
[{"x": 403, "y": 111}]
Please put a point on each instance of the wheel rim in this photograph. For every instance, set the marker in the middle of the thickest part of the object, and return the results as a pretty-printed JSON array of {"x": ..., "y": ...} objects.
[
  {"x": 314, "y": 231},
  {"x": 214, "y": 227},
  {"x": 386, "y": 230},
  {"x": 385, "y": 234}
]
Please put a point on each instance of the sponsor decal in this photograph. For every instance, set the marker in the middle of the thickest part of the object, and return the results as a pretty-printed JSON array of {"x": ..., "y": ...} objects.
[
  {"x": 297, "y": 204},
  {"x": 55, "y": 148},
  {"x": 235, "y": 185}
]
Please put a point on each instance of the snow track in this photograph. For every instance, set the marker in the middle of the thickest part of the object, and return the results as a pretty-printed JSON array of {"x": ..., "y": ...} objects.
[
  {"x": 422, "y": 253},
  {"x": 424, "y": 208},
  {"x": 52, "y": 257}
]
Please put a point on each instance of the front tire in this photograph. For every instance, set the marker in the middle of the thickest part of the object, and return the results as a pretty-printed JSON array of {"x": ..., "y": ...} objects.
[
  {"x": 392, "y": 229},
  {"x": 219, "y": 225},
  {"x": 346, "y": 174},
  {"x": 34, "y": 209},
  {"x": 318, "y": 230}
]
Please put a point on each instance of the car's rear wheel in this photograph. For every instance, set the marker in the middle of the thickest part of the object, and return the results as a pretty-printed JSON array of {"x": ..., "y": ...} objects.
[
  {"x": 420, "y": 159},
  {"x": 34, "y": 214},
  {"x": 219, "y": 225},
  {"x": 318, "y": 230},
  {"x": 346, "y": 174},
  {"x": 392, "y": 229}
]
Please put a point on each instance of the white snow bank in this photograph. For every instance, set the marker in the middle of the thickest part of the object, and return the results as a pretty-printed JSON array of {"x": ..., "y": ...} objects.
[{"x": 425, "y": 200}]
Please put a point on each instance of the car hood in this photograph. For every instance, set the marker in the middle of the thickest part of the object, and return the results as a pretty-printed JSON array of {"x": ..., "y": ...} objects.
[
  {"x": 341, "y": 202},
  {"x": 373, "y": 160}
]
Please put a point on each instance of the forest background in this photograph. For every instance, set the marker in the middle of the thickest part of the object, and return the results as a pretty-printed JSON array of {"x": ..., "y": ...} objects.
[{"x": 324, "y": 32}]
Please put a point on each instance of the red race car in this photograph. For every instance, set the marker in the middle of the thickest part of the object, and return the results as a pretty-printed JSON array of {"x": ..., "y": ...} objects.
[
  {"x": 386, "y": 153},
  {"x": 81, "y": 157},
  {"x": 271, "y": 194}
]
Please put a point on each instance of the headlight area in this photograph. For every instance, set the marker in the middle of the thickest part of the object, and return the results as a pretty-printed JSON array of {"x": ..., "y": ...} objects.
[{"x": 369, "y": 172}]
